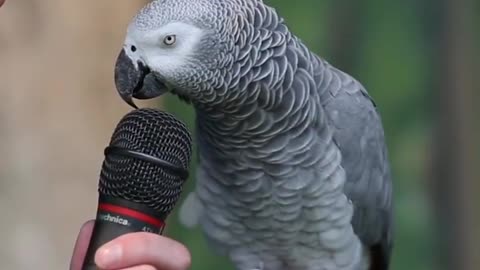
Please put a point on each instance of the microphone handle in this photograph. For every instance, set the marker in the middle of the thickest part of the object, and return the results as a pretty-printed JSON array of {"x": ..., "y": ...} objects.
[{"x": 116, "y": 217}]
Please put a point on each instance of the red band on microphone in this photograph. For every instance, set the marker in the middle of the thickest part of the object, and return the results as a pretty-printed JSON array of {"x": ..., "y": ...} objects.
[{"x": 131, "y": 213}]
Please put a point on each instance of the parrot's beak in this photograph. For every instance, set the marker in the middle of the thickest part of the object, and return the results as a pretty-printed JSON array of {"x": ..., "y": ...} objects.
[
  {"x": 128, "y": 77},
  {"x": 135, "y": 81}
]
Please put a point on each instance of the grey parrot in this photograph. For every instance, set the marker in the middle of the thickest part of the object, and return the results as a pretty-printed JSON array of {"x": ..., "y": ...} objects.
[{"x": 293, "y": 166}]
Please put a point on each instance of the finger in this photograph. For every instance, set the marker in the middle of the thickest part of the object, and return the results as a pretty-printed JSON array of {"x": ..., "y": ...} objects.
[
  {"x": 143, "y": 248},
  {"x": 81, "y": 245},
  {"x": 141, "y": 267},
  {"x": 1, "y": 2}
]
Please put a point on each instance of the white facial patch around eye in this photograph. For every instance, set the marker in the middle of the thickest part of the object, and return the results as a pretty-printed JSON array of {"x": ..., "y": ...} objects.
[{"x": 167, "y": 58}]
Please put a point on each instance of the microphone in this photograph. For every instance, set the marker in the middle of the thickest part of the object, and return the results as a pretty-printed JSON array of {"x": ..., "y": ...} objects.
[{"x": 142, "y": 175}]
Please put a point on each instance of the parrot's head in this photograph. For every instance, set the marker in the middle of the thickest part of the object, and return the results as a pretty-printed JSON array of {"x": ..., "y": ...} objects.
[{"x": 180, "y": 46}]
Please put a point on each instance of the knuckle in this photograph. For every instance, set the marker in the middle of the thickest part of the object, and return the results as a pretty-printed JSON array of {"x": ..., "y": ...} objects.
[
  {"x": 145, "y": 236},
  {"x": 137, "y": 239},
  {"x": 184, "y": 259},
  {"x": 148, "y": 243},
  {"x": 145, "y": 267}
]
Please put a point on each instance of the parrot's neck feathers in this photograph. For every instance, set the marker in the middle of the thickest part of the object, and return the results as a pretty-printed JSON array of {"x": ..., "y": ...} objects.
[
  {"x": 264, "y": 87},
  {"x": 272, "y": 78},
  {"x": 262, "y": 64}
]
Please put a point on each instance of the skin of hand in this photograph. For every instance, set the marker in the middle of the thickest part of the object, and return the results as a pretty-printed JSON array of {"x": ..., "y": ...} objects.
[
  {"x": 1, "y": 2},
  {"x": 133, "y": 251}
]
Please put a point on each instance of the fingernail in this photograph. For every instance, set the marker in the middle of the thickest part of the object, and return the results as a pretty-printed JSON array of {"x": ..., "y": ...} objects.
[{"x": 108, "y": 255}]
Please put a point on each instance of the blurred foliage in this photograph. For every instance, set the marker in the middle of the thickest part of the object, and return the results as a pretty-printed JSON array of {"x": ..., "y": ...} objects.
[{"x": 393, "y": 59}]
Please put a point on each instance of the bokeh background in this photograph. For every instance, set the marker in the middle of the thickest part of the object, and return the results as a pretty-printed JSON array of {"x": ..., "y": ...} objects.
[{"x": 419, "y": 59}]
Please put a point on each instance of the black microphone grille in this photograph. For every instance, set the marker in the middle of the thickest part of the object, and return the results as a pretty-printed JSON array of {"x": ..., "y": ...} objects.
[{"x": 147, "y": 160}]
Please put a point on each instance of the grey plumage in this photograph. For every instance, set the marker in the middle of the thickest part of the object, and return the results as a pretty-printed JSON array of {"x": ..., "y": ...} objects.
[{"x": 293, "y": 168}]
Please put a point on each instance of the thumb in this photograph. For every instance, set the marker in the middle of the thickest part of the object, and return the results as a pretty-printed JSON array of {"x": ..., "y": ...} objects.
[{"x": 81, "y": 245}]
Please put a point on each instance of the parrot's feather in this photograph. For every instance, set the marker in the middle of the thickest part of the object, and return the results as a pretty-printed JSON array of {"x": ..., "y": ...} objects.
[
  {"x": 293, "y": 171},
  {"x": 359, "y": 135},
  {"x": 190, "y": 211}
]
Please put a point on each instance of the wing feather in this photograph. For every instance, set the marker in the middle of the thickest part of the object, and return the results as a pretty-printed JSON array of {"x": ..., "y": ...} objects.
[{"x": 359, "y": 134}]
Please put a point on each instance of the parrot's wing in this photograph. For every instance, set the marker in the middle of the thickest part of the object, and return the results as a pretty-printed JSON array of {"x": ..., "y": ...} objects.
[
  {"x": 190, "y": 211},
  {"x": 359, "y": 135}
]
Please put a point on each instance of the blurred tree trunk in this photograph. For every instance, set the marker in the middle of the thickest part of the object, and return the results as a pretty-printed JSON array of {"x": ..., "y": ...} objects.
[
  {"x": 58, "y": 109},
  {"x": 454, "y": 171},
  {"x": 345, "y": 36}
]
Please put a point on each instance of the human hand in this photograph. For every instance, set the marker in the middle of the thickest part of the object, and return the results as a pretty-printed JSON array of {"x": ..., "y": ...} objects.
[
  {"x": 134, "y": 251},
  {"x": 1, "y": 2}
]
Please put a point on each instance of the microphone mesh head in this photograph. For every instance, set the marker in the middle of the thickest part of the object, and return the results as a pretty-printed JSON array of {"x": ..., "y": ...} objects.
[{"x": 157, "y": 134}]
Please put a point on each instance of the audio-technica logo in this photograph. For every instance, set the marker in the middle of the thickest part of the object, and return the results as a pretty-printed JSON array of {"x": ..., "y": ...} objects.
[{"x": 114, "y": 219}]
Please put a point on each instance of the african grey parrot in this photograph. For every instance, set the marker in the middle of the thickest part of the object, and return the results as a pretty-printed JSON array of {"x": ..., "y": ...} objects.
[{"x": 293, "y": 170}]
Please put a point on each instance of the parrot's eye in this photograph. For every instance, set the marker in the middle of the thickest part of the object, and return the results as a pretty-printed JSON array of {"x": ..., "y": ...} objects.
[{"x": 170, "y": 40}]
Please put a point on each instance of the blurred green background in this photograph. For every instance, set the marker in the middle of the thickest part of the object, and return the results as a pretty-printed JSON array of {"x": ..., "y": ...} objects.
[{"x": 393, "y": 48}]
